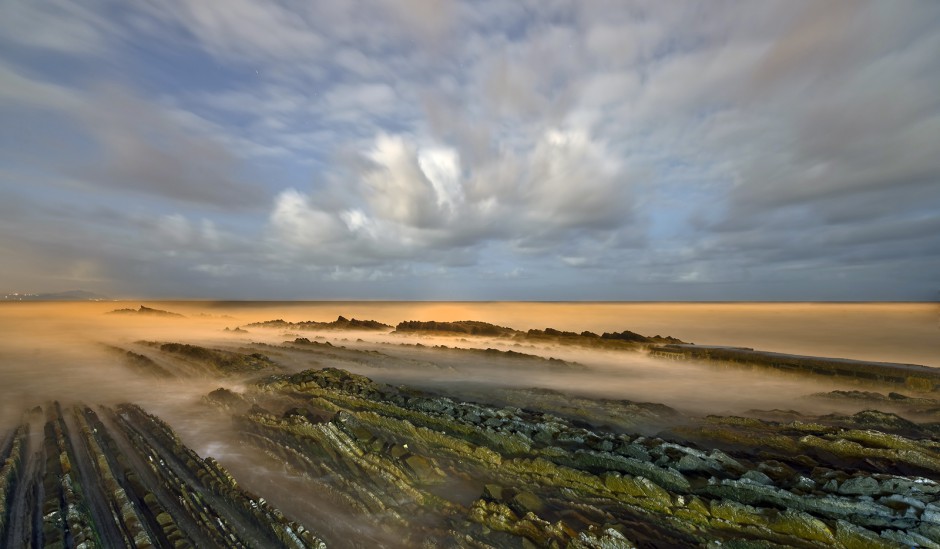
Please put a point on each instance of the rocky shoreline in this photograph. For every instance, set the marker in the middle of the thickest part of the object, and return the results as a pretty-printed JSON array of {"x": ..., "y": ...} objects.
[{"x": 451, "y": 464}]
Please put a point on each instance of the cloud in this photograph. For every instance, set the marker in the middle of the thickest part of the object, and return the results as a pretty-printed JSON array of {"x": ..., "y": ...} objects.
[
  {"x": 20, "y": 89},
  {"x": 782, "y": 145},
  {"x": 139, "y": 146},
  {"x": 58, "y": 26},
  {"x": 411, "y": 202},
  {"x": 144, "y": 148},
  {"x": 243, "y": 29}
]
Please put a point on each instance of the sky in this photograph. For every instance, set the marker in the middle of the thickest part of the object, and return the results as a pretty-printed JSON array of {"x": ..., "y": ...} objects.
[{"x": 482, "y": 150}]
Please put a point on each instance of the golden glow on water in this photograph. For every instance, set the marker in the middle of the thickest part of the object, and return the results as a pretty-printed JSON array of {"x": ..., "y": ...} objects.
[
  {"x": 892, "y": 332},
  {"x": 54, "y": 351}
]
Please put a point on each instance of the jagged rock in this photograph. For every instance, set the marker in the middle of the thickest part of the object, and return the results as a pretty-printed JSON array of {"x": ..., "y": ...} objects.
[
  {"x": 493, "y": 492},
  {"x": 883, "y": 421},
  {"x": 608, "y": 539},
  {"x": 757, "y": 477},
  {"x": 146, "y": 311},
  {"x": 341, "y": 323},
  {"x": 528, "y": 502},
  {"x": 859, "y": 486},
  {"x": 802, "y": 526},
  {"x": 411, "y": 462},
  {"x": 468, "y": 327},
  {"x": 226, "y": 399}
]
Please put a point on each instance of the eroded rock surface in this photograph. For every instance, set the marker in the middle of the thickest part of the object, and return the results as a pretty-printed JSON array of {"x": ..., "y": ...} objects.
[
  {"x": 458, "y": 466},
  {"x": 122, "y": 478},
  {"x": 457, "y": 473}
]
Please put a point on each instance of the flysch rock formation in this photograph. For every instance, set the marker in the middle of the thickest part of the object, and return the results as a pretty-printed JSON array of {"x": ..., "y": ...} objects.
[
  {"x": 122, "y": 478},
  {"x": 512, "y": 467},
  {"x": 454, "y": 473}
]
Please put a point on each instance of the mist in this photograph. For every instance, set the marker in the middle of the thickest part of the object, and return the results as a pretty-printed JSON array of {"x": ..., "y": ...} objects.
[
  {"x": 60, "y": 351},
  {"x": 84, "y": 354}
]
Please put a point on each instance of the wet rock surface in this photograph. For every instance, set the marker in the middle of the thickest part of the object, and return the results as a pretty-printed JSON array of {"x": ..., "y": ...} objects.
[
  {"x": 913, "y": 377},
  {"x": 459, "y": 473},
  {"x": 198, "y": 360},
  {"x": 122, "y": 478},
  {"x": 460, "y": 466}
]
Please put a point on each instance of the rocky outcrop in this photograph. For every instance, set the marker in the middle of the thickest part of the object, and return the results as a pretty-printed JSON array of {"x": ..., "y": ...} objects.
[
  {"x": 477, "y": 328},
  {"x": 463, "y": 327},
  {"x": 548, "y": 481},
  {"x": 216, "y": 361},
  {"x": 341, "y": 323},
  {"x": 912, "y": 376},
  {"x": 146, "y": 311},
  {"x": 140, "y": 364},
  {"x": 423, "y": 469},
  {"x": 625, "y": 340},
  {"x": 123, "y": 479}
]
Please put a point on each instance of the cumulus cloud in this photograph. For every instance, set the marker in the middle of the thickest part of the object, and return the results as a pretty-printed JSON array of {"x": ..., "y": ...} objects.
[{"x": 416, "y": 203}]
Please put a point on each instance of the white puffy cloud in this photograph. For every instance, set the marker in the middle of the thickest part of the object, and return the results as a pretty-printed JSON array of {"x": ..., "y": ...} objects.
[
  {"x": 415, "y": 202},
  {"x": 298, "y": 223}
]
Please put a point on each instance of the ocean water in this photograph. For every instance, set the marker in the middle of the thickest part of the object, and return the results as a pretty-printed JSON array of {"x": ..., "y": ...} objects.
[
  {"x": 58, "y": 350},
  {"x": 890, "y": 332}
]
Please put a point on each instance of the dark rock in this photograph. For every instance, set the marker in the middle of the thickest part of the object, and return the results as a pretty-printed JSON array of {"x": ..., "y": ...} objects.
[
  {"x": 859, "y": 486},
  {"x": 493, "y": 492},
  {"x": 527, "y": 502}
]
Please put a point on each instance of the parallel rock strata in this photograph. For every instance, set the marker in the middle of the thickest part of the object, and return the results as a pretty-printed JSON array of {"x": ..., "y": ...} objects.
[
  {"x": 456, "y": 473},
  {"x": 198, "y": 360},
  {"x": 507, "y": 468},
  {"x": 912, "y": 376},
  {"x": 611, "y": 340},
  {"x": 123, "y": 479}
]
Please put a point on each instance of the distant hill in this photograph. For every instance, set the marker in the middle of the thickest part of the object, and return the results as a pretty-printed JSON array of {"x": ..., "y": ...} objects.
[{"x": 71, "y": 295}]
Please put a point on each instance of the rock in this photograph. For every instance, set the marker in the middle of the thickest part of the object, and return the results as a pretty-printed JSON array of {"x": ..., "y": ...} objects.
[
  {"x": 851, "y": 536},
  {"x": 931, "y": 514},
  {"x": 908, "y": 539},
  {"x": 635, "y": 451},
  {"x": 883, "y": 421},
  {"x": 757, "y": 477},
  {"x": 493, "y": 492},
  {"x": 691, "y": 463},
  {"x": 804, "y": 483},
  {"x": 803, "y": 526},
  {"x": 528, "y": 502},
  {"x": 859, "y": 486},
  {"x": 727, "y": 462},
  {"x": 900, "y": 485},
  {"x": 423, "y": 469},
  {"x": 608, "y": 539},
  {"x": 737, "y": 513}
]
